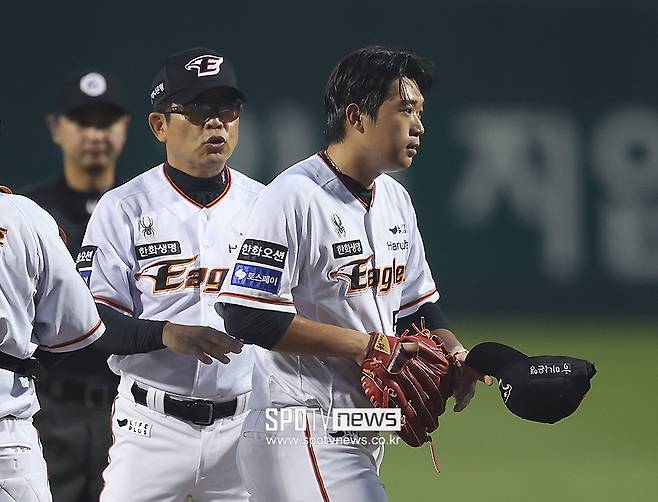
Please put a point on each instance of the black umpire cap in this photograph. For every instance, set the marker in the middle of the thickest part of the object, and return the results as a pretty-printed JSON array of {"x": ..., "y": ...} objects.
[
  {"x": 89, "y": 87},
  {"x": 187, "y": 74},
  {"x": 538, "y": 388}
]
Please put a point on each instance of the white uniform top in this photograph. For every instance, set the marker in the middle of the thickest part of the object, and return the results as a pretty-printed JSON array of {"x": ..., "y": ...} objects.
[
  {"x": 153, "y": 253},
  {"x": 313, "y": 248},
  {"x": 43, "y": 302}
]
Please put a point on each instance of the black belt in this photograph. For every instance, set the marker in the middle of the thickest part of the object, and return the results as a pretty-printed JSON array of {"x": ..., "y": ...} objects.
[{"x": 197, "y": 411}]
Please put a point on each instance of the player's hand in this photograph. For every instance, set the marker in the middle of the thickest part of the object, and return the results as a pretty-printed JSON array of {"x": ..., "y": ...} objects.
[
  {"x": 465, "y": 380},
  {"x": 201, "y": 342}
]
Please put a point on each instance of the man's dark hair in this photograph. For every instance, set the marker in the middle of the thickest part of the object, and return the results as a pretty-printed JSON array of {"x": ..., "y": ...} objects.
[{"x": 364, "y": 77}]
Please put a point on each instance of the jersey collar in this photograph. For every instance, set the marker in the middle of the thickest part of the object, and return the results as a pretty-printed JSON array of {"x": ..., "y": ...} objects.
[
  {"x": 349, "y": 183},
  {"x": 182, "y": 193}
]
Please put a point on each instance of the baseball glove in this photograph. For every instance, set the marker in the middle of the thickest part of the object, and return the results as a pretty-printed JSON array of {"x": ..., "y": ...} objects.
[{"x": 411, "y": 372}]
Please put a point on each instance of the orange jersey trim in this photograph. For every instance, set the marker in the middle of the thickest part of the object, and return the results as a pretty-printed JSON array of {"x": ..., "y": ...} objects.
[
  {"x": 314, "y": 463},
  {"x": 76, "y": 340},
  {"x": 323, "y": 155},
  {"x": 114, "y": 304},
  {"x": 258, "y": 299},
  {"x": 212, "y": 202},
  {"x": 63, "y": 236},
  {"x": 415, "y": 302}
]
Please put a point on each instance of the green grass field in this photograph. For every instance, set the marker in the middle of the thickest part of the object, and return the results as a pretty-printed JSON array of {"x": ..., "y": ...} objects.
[{"x": 606, "y": 451}]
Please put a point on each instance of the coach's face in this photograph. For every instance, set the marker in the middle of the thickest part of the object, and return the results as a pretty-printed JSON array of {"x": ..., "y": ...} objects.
[
  {"x": 197, "y": 144},
  {"x": 393, "y": 138},
  {"x": 91, "y": 137}
]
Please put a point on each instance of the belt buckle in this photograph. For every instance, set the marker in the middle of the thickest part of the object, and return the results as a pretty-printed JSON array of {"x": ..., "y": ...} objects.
[{"x": 202, "y": 404}]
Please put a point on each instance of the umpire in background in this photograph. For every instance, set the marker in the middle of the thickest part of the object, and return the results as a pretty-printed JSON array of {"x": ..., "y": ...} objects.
[{"x": 89, "y": 125}]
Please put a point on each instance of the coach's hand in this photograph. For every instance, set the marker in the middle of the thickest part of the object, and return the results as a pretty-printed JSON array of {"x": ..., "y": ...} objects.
[
  {"x": 465, "y": 380},
  {"x": 201, "y": 342}
]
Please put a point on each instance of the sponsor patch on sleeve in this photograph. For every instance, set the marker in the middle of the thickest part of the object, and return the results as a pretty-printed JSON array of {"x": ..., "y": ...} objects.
[
  {"x": 157, "y": 249},
  {"x": 267, "y": 253},
  {"x": 349, "y": 248},
  {"x": 86, "y": 276},
  {"x": 85, "y": 256},
  {"x": 255, "y": 277}
]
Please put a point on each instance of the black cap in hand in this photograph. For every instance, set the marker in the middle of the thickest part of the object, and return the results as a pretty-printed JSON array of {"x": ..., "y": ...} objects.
[{"x": 538, "y": 388}]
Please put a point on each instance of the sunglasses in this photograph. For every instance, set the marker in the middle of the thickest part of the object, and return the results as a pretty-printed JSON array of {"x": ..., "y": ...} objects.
[{"x": 200, "y": 113}]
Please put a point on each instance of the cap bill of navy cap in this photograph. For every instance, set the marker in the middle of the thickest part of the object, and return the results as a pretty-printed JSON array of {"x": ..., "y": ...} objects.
[
  {"x": 489, "y": 357},
  {"x": 190, "y": 94}
]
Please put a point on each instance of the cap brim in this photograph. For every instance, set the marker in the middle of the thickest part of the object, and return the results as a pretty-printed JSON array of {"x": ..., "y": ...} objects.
[
  {"x": 489, "y": 357},
  {"x": 95, "y": 103},
  {"x": 185, "y": 96}
]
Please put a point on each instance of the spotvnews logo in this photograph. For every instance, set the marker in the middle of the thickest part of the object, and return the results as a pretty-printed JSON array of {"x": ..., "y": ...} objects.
[{"x": 340, "y": 419}]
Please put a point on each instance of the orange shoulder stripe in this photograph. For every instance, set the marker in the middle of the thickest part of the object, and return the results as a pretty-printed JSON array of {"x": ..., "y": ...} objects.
[
  {"x": 76, "y": 340},
  {"x": 415, "y": 302}
]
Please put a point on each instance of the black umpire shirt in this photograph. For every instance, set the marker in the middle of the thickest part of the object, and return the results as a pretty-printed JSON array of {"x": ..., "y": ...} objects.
[{"x": 71, "y": 211}]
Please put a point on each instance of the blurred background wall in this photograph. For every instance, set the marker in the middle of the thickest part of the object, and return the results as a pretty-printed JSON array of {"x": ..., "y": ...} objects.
[{"x": 537, "y": 182}]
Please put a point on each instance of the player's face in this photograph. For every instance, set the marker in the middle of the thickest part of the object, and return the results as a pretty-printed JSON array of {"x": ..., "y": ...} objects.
[
  {"x": 393, "y": 139},
  {"x": 92, "y": 137},
  {"x": 197, "y": 141}
]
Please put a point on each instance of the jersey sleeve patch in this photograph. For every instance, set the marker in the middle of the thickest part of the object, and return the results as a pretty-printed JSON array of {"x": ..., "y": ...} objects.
[
  {"x": 85, "y": 256},
  {"x": 255, "y": 277},
  {"x": 86, "y": 276},
  {"x": 157, "y": 249},
  {"x": 83, "y": 262},
  {"x": 265, "y": 252}
]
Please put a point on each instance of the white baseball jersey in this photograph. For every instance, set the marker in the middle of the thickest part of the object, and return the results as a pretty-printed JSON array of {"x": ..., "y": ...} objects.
[
  {"x": 43, "y": 302},
  {"x": 153, "y": 253},
  {"x": 314, "y": 248}
]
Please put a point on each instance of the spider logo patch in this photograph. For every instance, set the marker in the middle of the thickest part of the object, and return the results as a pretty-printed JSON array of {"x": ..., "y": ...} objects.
[
  {"x": 338, "y": 225},
  {"x": 146, "y": 227}
]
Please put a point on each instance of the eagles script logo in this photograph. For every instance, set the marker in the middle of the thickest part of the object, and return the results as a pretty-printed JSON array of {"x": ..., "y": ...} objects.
[
  {"x": 3, "y": 233},
  {"x": 359, "y": 276},
  {"x": 205, "y": 65}
]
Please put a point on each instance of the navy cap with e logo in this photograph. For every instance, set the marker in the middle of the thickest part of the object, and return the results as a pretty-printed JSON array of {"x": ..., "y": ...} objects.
[
  {"x": 538, "y": 388},
  {"x": 189, "y": 73}
]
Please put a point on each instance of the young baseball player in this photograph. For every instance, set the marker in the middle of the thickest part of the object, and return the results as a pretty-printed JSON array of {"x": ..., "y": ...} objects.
[
  {"x": 44, "y": 305},
  {"x": 155, "y": 254},
  {"x": 332, "y": 253}
]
